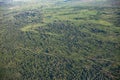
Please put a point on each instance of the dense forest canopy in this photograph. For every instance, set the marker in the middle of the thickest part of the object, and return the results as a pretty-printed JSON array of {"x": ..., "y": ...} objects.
[{"x": 59, "y": 40}]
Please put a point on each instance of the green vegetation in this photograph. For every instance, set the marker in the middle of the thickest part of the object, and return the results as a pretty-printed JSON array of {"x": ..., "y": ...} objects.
[{"x": 54, "y": 40}]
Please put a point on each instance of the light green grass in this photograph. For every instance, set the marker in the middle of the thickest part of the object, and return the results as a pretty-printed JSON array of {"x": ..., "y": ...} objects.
[{"x": 32, "y": 27}]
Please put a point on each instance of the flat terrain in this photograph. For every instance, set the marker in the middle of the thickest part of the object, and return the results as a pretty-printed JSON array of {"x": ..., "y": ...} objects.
[{"x": 60, "y": 40}]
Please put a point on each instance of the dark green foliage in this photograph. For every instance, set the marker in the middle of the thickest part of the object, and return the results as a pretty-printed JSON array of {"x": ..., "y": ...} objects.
[{"x": 26, "y": 17}]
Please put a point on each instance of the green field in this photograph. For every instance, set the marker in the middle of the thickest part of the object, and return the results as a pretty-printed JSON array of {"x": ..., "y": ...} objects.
[{"x": 60, "y": 40}]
